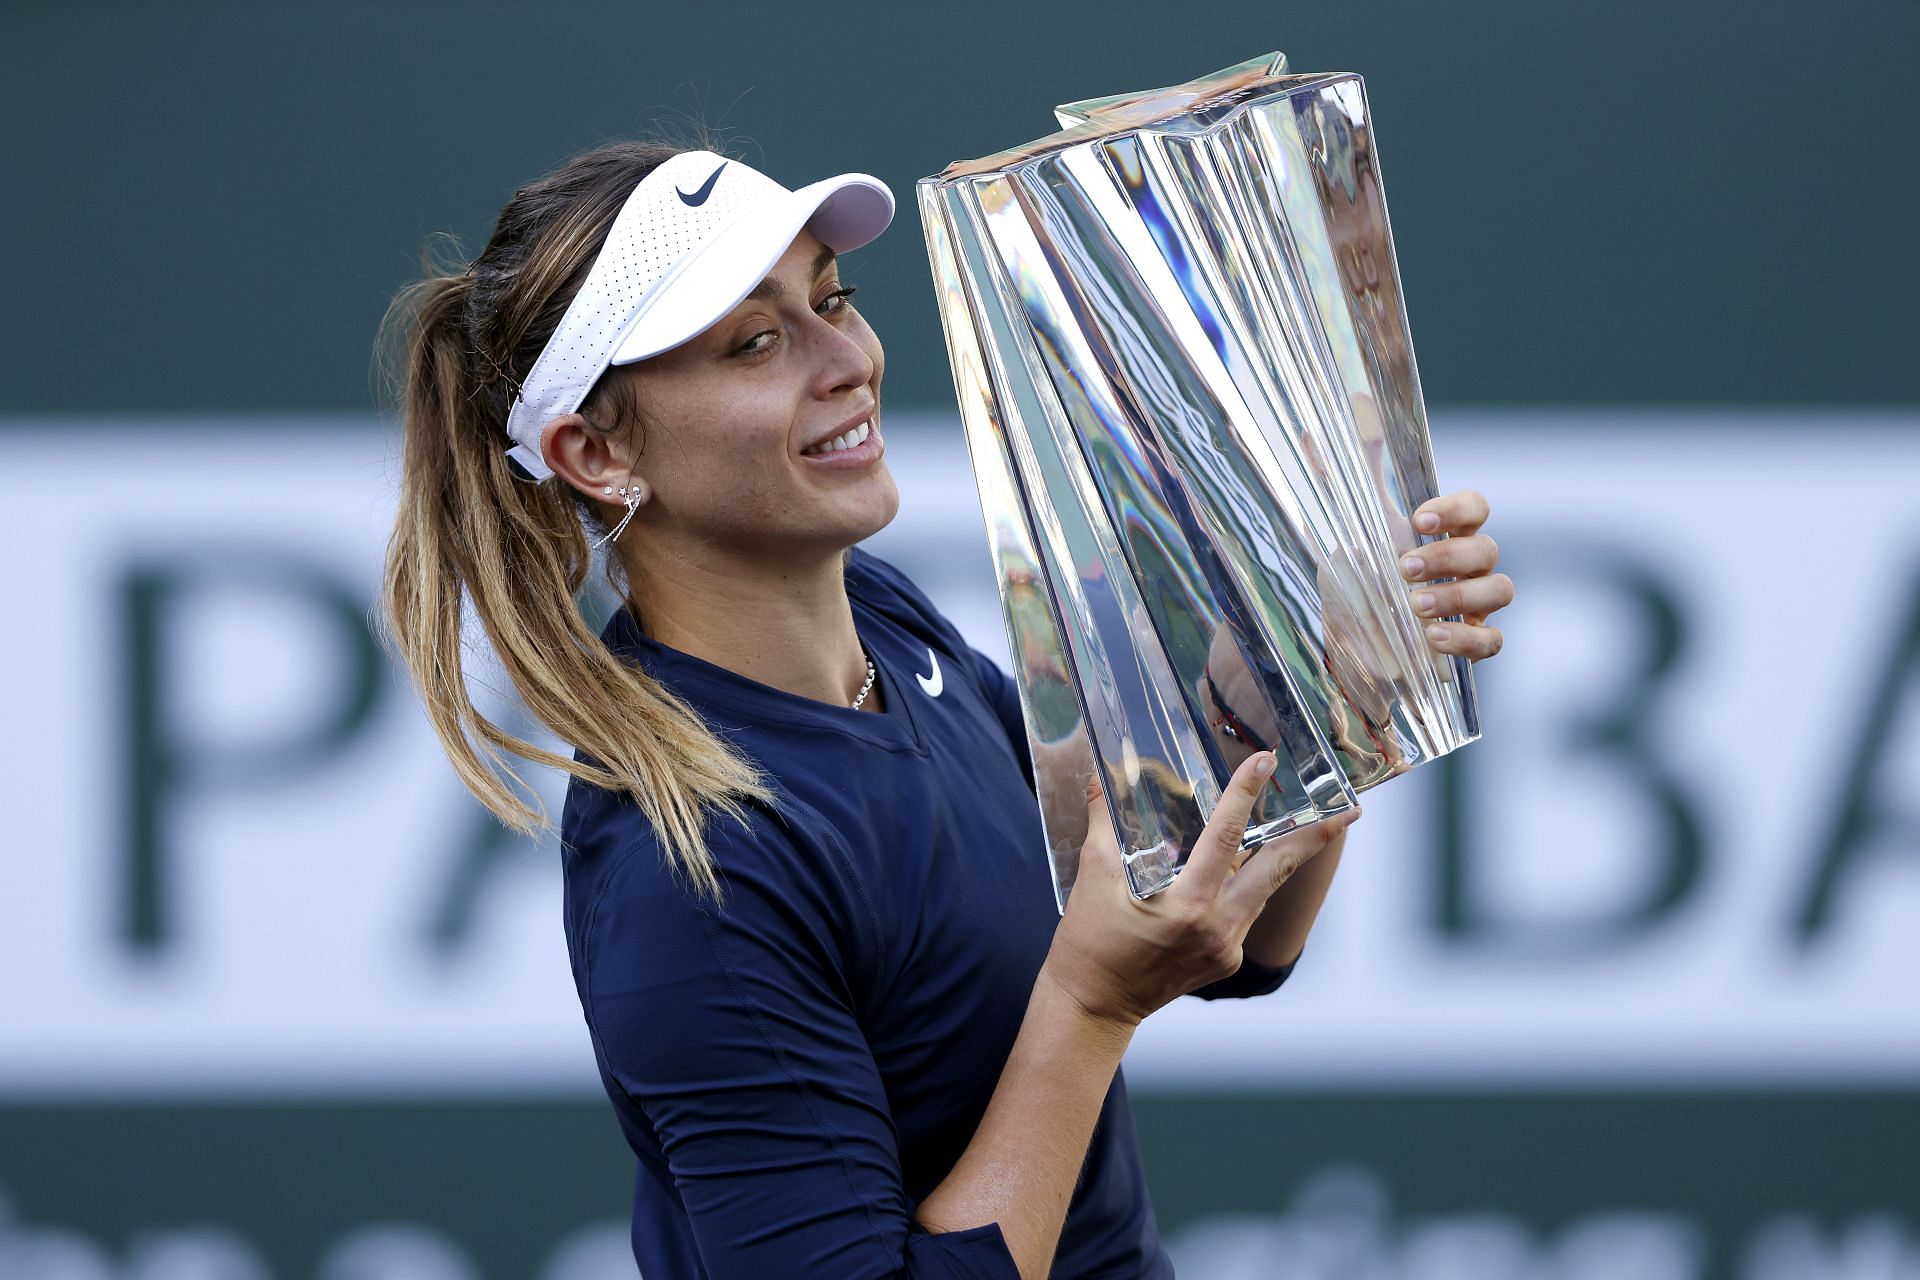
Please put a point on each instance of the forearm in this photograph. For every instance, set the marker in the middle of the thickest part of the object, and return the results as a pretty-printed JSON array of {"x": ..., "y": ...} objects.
[
  {"x": 1021, "y": 1167},
  {"x": 1280, "y": 931}
]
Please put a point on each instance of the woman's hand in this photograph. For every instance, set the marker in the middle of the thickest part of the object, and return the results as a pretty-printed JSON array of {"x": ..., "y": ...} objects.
[
  {"x": 1468, "y": 557},
  {"x": 1120, "y": 958}
]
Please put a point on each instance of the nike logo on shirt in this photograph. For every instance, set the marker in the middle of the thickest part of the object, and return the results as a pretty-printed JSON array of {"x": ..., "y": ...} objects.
[
  {"x": 700, "y": 194},
  {"x": 933, "y": 683}
]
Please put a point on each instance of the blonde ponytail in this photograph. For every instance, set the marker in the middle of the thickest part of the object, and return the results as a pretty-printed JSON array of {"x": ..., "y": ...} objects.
[{"x": 470, "y": 531}]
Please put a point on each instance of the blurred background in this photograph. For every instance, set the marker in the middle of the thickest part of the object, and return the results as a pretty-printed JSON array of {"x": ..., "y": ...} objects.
[{"x": 1626, "y": 989}]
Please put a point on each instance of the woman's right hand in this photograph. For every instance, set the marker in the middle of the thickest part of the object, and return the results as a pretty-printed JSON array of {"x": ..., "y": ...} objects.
[{"x": 1119, "y": 957}]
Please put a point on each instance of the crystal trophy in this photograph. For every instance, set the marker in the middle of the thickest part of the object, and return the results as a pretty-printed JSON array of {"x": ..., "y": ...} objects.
[{"x": 1188, "y": 391}]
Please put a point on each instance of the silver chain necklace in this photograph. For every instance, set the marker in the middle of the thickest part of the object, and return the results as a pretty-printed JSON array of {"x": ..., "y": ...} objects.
[{"x": 866, "y": 688}]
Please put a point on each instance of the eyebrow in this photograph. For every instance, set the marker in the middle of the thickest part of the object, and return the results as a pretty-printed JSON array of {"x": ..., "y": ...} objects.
[{"x": 769, "y": 290}]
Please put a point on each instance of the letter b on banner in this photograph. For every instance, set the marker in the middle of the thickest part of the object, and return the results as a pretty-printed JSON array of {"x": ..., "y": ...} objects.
[{"x": 1602, "y": 729}]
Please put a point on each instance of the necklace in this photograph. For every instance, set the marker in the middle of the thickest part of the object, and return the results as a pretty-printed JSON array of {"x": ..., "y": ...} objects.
[{"x": 866, "y": 688}]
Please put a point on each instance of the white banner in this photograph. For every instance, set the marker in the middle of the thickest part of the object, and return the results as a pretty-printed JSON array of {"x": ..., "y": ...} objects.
[{"x": 1687, "y": 849}]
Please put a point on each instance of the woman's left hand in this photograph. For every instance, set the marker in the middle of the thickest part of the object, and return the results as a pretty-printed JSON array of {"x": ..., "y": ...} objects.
[{"x": 1468, "y": 557}]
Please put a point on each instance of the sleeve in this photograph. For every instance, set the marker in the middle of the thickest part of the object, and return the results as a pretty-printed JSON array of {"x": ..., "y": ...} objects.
[
  {"x": 1250, "y": 979},
  {"x": 1005, "y": 697},
  {"x": 734, "y": 1030}
]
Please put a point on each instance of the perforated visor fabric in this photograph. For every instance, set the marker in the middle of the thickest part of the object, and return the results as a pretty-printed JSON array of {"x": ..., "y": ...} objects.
[{"x": 694, "y": 238}]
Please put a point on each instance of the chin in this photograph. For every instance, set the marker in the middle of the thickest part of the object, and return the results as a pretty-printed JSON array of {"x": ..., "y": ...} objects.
[{"x": 881, "y": 509}]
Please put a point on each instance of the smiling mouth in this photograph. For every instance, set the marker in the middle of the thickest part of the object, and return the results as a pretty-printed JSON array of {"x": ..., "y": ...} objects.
[{"x": 841, "y": 443}]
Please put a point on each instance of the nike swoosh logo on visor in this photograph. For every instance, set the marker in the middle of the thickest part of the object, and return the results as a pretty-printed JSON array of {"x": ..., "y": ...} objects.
[
  {"x": 699, "y": 196},
  {"x": 933, "y": 683}
]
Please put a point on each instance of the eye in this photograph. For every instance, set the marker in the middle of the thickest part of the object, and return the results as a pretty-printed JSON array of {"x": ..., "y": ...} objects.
[
  {"x": 839, "y": 300},
  {"x": 834, "y": 303}
]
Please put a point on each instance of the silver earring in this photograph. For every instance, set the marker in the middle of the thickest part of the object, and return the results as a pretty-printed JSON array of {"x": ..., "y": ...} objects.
[{"x": 631, "y": 495}]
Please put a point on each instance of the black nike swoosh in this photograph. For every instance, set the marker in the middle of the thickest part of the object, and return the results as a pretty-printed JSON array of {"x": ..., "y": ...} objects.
[{"x": 699, "y": 197}]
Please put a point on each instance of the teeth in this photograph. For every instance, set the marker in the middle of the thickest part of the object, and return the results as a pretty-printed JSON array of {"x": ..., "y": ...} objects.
[{"x": 851, "y": 439}]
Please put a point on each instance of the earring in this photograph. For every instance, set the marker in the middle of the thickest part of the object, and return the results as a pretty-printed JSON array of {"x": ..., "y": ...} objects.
[{"x": 632, "y": 495}]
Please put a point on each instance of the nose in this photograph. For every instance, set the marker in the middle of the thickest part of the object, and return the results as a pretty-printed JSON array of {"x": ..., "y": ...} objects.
[{"x": 843, "y": 361}]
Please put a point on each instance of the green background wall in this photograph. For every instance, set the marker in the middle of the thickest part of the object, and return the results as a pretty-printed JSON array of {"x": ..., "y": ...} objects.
[{"x": 1617, "y": 203}]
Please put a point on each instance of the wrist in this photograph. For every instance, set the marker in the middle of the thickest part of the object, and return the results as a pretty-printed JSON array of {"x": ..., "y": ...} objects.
[{"x": 1057, "y": 995}]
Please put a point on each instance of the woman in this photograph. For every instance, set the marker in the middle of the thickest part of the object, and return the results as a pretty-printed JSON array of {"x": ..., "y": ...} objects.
[{"x": 841, "y": 1024}]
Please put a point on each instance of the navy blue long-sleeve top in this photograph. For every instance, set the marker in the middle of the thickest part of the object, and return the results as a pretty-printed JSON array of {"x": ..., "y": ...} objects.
[{"x": 797, "y": 1066}]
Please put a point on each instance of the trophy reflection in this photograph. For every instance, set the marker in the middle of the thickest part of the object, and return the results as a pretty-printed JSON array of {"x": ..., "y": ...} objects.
[{"x": 1191, "y": 404}]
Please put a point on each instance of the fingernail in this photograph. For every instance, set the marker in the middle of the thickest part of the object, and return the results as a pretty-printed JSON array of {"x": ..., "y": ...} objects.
[
  {"x": 1263, "y": 766},
  {"x": 1437, "y": 634},
  {"x": 1424, "y": 602},
  {"x": 1413, "y": 566},
  {"x": 1426, "y": 521}
]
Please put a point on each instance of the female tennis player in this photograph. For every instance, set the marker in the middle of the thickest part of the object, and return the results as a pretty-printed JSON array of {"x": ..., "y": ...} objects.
[{"x": 843, "y": 1026}]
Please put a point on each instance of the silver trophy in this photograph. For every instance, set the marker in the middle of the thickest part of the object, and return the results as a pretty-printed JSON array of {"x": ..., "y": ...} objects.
[{"x": 1190, "y": 400}]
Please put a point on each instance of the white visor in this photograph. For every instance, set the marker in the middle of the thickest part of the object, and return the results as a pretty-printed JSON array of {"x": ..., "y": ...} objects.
[{"x": 694, "y": 238}]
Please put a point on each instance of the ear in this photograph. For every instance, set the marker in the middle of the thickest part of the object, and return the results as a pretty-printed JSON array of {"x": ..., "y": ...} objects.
[{"x": 583, "y": 457}]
